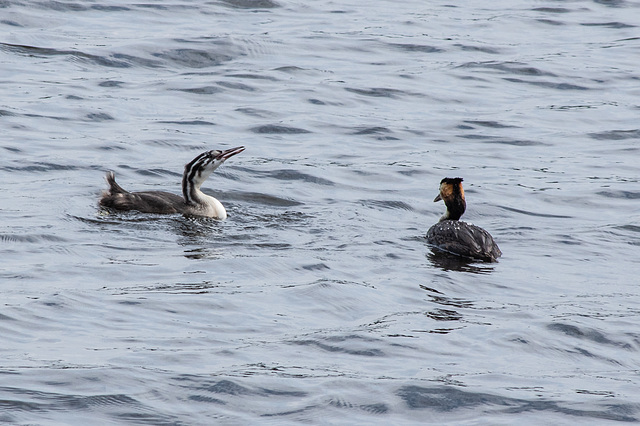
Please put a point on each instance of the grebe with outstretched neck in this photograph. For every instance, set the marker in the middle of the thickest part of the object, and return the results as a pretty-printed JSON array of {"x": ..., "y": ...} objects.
[
  {"x": 193, "y": 201},
  {"x": 457, "y": 237}
]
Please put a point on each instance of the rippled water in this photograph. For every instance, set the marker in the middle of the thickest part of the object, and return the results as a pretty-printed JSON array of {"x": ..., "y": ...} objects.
[{"x": 318, "y": 300}]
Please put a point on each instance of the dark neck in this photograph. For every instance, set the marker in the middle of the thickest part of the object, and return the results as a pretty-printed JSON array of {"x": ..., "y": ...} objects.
[
  {"x": 190, "y": 190},
  {"x": 455, "y": 209}
]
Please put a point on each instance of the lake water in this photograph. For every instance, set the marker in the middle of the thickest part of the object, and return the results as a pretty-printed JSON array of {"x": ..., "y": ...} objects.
[{"x": 318, "y": 300}]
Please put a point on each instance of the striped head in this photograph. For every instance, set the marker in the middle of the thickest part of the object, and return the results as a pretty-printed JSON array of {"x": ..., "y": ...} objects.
[
  {"x": 452, "y": 193},
  {"x": 199, "y": 169}
]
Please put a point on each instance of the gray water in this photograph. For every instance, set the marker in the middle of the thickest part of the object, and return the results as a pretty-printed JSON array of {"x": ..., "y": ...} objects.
[{"x": 318, "y": 300}]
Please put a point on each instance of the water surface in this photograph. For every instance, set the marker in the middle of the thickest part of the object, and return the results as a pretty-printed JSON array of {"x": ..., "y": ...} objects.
[{"x": 318, "y": 300}]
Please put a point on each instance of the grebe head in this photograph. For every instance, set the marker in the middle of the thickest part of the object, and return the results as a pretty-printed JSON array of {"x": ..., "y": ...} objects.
[
  {"x": 452, "y": 194},
  {"x": 199, "y": 169}
]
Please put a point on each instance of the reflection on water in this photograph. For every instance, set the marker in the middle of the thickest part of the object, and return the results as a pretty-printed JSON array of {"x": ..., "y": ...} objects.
[{"x": 451, "y": 262}]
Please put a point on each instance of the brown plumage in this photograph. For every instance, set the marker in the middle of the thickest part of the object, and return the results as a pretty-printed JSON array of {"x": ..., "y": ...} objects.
[{"x": 457, "y": 237}]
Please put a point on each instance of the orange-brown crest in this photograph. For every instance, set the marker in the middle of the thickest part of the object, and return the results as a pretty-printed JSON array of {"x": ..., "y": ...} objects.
[{"x": 449, "y": 188}]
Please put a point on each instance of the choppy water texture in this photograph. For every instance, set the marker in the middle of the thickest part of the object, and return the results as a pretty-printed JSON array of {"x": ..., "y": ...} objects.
[{"x": 318, "y": 300}]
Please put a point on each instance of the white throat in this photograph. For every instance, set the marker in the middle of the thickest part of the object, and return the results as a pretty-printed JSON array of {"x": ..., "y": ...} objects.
[{"x": 210, "y": 206}]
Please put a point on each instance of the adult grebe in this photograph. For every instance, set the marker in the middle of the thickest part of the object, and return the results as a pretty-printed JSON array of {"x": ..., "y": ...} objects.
[
  {"x": 193, "y": 202},
  {"x": 454, "y": 236}
]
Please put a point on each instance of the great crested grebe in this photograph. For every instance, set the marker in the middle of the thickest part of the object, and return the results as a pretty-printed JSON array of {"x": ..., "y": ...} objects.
[
  {"x": 461, "y": 238},
  {"x": 193, "y": 202}
]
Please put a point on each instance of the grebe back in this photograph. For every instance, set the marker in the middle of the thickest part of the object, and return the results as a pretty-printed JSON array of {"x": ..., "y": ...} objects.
[
  {"x": 457, "y": 237},
  {"x": 193, "y": 201}
]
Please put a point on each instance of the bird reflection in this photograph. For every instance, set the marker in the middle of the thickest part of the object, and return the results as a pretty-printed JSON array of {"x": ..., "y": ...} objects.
[{"x": 451, "y": 262}]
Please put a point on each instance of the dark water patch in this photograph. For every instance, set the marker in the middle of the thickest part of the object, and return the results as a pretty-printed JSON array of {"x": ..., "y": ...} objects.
[
  {"x": 5, "y": 113},
  {"x": 204, "y": 287},
  {"x": 632, "y": 228},
  {"x": 129, "y": 302},
  {"x": 111, "y": 83},
  {"x": 206, "y": 399},
  {"x": 275, "y": 129},
  {"x": 261, "y": 199},
  {"x": 113, "y": 61},
  {"x": 194, "y": 58},
  {"x": 189, "y": 123},
  {"x": 387, "y": 204},
  {"x": 254, "y": 112},
  {"x": 447, "y": 261},
  {"x": 378, "y": 92},
  {"x": 516, "y": 142},
  {"x": 449, "y": 399},
  {"x": 205, "y": 90},
  {"x": 137, "y": 60},
  {"x": 61, "y": 6},
  {"x": 444, "y": 315},
  {"x": 509, "y": 67},
  {"x": 332, "y": 345},
  {"x": 51, "y": 117},
  {"x": 225, "y": 387},
  {"x": 74, "y": 98},
  {"x": 616, "y": 25},
  {"x": 552, "y": 9},
  {"x": 295, "y": 175},
  {"x": 10, "y": 23},
  {"x": 528, "y": 213},
  {"x": 410, "y": 47},
  {"x": 376, "y": 130},
  {"x": 237, "y": 86},
  {"x": 477, "y": 137},
  {"x": 253, "y": 77},
  {"x": 626, "y": 195},
  {"x": 551, "y": 22},
  {"x": 157, "y": 172},
  {"x": 377, "y": 408},
  {"x": 154, "y": 6},
  {"x": 40, "y": 167},
  {"x": 41, "y": 401},
  {"x": 571, "y": 107},
  {"x": 586, "y": 334},
  {"x": 35, "y": 51},
  {"x": 290, "y": 69},
  {"x": 315, "y": 267},
  {"x": 250, "y": 4},
  {"x": 99, "y": 116},
  {"x": 104, "y": 61},
  {"x": 439, "y": 298},
  {"x": 288, "y": 412},
  {"x": 491, "y": 124},
  {"x": 548, "y": 84},
  {"x": 31, "y": 238},
  {"x": 616, "y": 135},
  {"x": 483, "y": 49},
  {"x": 109, "y": 8},
  {"x": 613, "y": 3},
  {"x": 148, "y": 419}
]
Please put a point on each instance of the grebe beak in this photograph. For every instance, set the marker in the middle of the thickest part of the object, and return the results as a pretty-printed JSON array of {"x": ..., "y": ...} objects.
[
  {"x": 438, "y": 198},
  {"x": 228, "y": 153}
]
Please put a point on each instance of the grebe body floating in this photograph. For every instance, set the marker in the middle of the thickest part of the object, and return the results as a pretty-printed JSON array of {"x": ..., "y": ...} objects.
[
  {"x": 193, "y": 201},
  {"x": 457, "y": 237}
]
